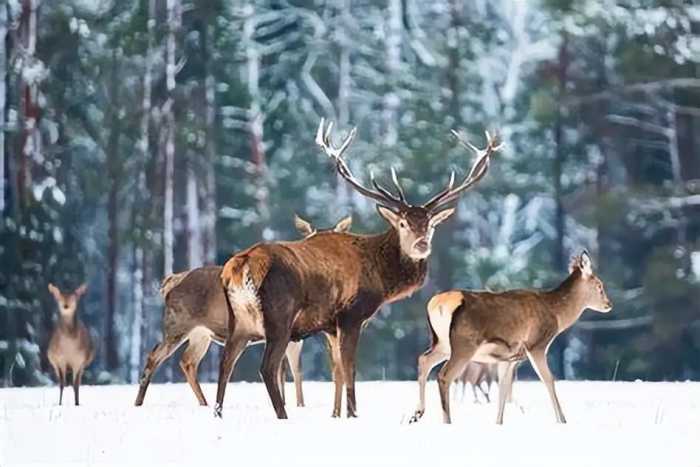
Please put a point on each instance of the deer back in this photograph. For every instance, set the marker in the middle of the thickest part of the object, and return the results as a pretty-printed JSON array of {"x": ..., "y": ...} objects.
[
  {"x": 195, "y": 298},
  {"x": 326, "y": 274}
]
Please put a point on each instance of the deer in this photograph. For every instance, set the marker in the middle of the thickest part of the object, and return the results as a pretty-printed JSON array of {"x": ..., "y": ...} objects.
[
  {"x": 507, "y": 328},
  {"x": 70, "y": 346},
  {"x": 196, "y": 312},
  {"x": 334, "y": 283},
  {"x": 476, "y": 375}
]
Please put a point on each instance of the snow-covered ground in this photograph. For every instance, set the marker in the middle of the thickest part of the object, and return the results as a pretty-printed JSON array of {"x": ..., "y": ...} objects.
[{"x": 616, "y": 424}]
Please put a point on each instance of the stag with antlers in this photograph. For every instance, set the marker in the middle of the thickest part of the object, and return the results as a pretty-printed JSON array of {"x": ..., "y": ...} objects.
[
  {"x": 196, "y": 313},
  {"x": 335, "y": 282}
]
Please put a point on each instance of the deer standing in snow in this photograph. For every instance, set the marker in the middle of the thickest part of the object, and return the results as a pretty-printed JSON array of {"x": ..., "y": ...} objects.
[
  {"x": 196, "y": 313},
  {"x": 70, "y": 347},
  {"x": 507, "y": 327},
  {"x": 476, "y": 375},
  {"x": 333, "y": 283}
]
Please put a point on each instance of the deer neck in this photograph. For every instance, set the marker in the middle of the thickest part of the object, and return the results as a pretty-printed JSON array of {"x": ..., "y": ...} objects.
[
  {"x": 567, "y": 301},
  {"x": 67, "y": 319},
  {"x": 401, "y": 275}
]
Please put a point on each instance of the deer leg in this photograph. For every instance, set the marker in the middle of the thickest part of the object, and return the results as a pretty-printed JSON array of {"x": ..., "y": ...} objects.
[
  {"x": 348, "y": 348},
  {"x": 501, "y": 369},
  {"x": 270, "y": 370},
  {"x": 336, "y": 371},
  {"x": 294, "y": 361},
  {"x": 488, "y": 382},
  {"x": 453, "y": 368},
  {"x": 157, "y": 356},
  {"x": 232, "y": 350},
  {"x": 476, "y": 396},
  {"x": 538, "y": 359},
  {"x": 77, "y": 377},
  {"x": 281, "y": 376},
  {"x": 426, "y": 362},
  {"x": 510, "y": 388},
  {"x": 484, "y": 393},
  {"x": 505, "y": 381},
  {"x": 61, "y": 376},
  {"x": 197, "y": 347}
]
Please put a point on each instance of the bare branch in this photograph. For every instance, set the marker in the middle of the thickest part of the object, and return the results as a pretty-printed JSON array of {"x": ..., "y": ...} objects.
[
  {"x": 635, "y": 122},
  {"x": 630, "y": 88},
  {"x": 615, "y": 324}
]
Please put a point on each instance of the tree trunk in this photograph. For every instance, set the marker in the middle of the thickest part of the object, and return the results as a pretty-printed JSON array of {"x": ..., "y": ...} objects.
[
  {"x": 137, "y": 322},
  {"x": 209, "y": 218},
  {"x": 139, "y": 259},
  {"x": 112, "y": 265},
  {"x": 443, "y": 276},
  {"x": 3, "y": 103},
  {"x": 341, "y": 190},
  {"x": 559, "y": 156},
  {"x": 31, "y": 141},
  {"x": 113, "y": 164},
  {"x": 559, "y": 259},
  {"x": 173, "y": 7},
  {"x": 393, "y": 64},
  {"x": 257, "y": 149},
  {"x": 194, "y": 234}
]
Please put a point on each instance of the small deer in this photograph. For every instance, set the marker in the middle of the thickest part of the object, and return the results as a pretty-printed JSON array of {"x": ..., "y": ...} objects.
[
  {"x": 333, "y": 283},
  {"x": 196, "y": 313},
  {"x": 70, "y": 346},
  {"x": 506, "y": 327},
  {"x": 476, "y": 375}
]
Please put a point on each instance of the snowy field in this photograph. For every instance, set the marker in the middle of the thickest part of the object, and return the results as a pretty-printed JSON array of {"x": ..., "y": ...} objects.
[{"x": 616, "y": 424}]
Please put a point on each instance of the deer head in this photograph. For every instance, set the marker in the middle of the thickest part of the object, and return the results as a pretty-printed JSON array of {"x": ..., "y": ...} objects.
[
  {"x": 415, "y": 225},
  {"x": 591, "y": 287},
  {"x": 67, "y": 302},
  {"x": 306, "y": 229}
]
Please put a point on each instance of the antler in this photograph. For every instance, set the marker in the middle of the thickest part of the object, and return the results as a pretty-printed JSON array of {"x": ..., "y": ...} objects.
[
  {"x": 478, "y": 170},
  {"x": 381, "y": 194}
]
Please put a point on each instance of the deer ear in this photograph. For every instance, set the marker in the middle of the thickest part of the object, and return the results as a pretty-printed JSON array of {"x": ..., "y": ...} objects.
[
  {"x": 390, "y": 216},
  {"x": 80, "y": 291},
  {"x": 343, "y": 224},
  {"x": 304, "y": 227},
  {"x": 441, "y": 216},
  {"x": 54, "y": 291},
  {"x": 586, "y": 264}
]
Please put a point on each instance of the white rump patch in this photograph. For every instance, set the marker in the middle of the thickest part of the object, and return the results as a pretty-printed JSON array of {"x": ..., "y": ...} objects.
[
  {"x": 440, "y": 320},
  {"x": 246, "y": 304}
]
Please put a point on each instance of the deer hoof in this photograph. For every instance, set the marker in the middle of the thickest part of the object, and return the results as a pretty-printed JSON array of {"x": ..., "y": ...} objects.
[{"x": 218, "y": 411}]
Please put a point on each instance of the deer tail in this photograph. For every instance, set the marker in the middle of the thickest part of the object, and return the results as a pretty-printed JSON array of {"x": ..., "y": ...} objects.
[
  {"x": 171, "y": 281},
  {"x": 242, "y": 276}
]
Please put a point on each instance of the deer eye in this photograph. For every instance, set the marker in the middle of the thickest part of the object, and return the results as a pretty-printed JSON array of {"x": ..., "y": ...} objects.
[{"x": 402, "y": 224}]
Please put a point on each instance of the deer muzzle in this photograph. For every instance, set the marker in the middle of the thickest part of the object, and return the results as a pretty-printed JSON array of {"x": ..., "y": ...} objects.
[{"x": 421, "y": 247}]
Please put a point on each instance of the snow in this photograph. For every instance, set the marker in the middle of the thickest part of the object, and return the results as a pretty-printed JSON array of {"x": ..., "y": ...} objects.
[{"x": 609, "y": 424}]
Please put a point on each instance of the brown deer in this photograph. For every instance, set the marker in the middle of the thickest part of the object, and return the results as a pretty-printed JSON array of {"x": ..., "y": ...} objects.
[
  {"x": 70, "y": 346},
  {"x": 196, "y": 313},
  {"x": 477, "y": 374},
  {"x": 332, "y": 283},
  {"x": 506, "y": 327}
]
